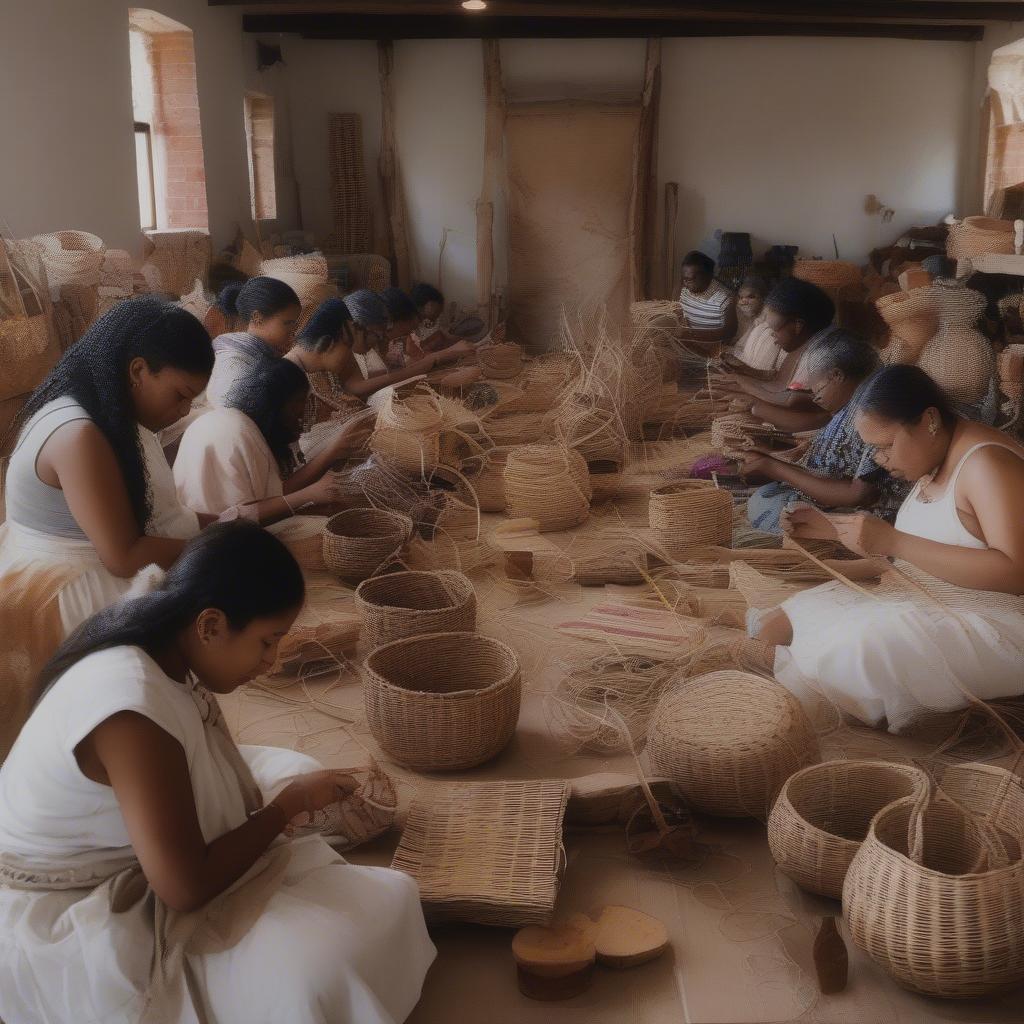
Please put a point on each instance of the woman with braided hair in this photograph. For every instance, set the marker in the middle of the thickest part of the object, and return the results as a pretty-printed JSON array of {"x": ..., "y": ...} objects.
[{"x": 90, "y": 497}]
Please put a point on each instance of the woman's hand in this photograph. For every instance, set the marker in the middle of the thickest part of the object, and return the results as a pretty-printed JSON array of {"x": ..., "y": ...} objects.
[
  {"x": 454, "y": 352},
  {"x": 313, "y": 792},
  {"x": 325, "y": 491},
  {"x": 757, "y": 463},
  {"x": 863, "y": 534},
  {"x": 352, "y": 435}
]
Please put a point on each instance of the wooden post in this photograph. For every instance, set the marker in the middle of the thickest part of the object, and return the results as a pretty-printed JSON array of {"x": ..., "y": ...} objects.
[
  {"x": 669, "y": 241},
  {"x": 494, "y": 131},
  {"x": 645, "y": 178},
  {"x": 390, "y": 171}
]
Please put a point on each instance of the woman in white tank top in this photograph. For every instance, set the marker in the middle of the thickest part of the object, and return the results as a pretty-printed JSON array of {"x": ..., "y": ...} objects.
[{"x": 946, "y": 624}]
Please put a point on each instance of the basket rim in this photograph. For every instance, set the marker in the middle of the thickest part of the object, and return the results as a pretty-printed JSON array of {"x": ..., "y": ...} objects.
[
  {"x": 459, "y": 578},
  {"x": 400, "y": 519}
]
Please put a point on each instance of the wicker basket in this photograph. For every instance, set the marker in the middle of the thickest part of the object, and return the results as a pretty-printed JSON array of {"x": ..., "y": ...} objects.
[
  {"x": 489, "y": 482},
  {"x": 961, "y": 361},
  {"x": 442, "y": 702},
  {"x": 823, "y": 814},
  {"x": 729, "y": 741},
  {"x": 358, "y": 542},
  {"x": 500, "y": 362},
  {"x": 549, "y": 483},
  {"x": 71, "y": 258},
  {"x": 690, "y": 513},
  {"x": 405, "y": 604},
  {"x": 992, "y": 794},
  {"x": 936, "y": 898},
  {"x": 833, "y": 276},
  {"x": 979, "y": 236}
]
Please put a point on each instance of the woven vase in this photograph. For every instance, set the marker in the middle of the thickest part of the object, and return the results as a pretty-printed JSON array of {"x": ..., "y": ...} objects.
[
  {"x": 358, "y": 542},
  {"x": 500, "y": 361},
  {"x": 690, "y": 513},
  {"x": 405, "y": 604},
  {"x": 961, "y": 361},
  {"x": 823, "y": 814},
  {"x": 728, "y": 741},
  {"x": 442, "y": 702},
  {"x": 549, "y": 483}
]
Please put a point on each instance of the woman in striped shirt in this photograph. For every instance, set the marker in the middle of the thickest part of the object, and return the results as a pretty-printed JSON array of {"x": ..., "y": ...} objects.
[{"x": 709, "y": 308}]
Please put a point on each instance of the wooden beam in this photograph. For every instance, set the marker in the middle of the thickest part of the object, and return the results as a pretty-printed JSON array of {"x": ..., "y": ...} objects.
[
  {"x": 846, "y": 10},
  {"x": 343, "y": 26}
]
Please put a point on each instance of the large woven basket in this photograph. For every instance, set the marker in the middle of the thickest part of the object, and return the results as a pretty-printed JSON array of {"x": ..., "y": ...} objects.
[
  {"x": 444, "y": 701},
  {"x": 404, "y": 604},
  {"x": 961, "y": 361},
  {"x": 823, "y": 814},
  {"x": 993, "y": 795},
  {"x": 936, "y": 898},
  {"x": 690, "y": 513},
  {"x": 837, "y": 277},
  {"x": 489, "y": 481},
  {"x": 979, "y": 236},
  {"x": 549, "y": 483},
  {"x": 358, "y": 542},
  {"x": 728, "y": 741},
  {"x": 500, "y": 362}
]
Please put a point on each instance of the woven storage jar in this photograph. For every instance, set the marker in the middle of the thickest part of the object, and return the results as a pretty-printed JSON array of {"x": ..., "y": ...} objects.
[
  {"x": 500, "y": 361},
  {"x": 728, "y": 741},
  {"x": 960, "y": 360},
  {"x": 957, "y": 306},
  {"x": 931, "y": 903},
  {"x": 442, "y": 702},
  {"x": 690, "y": 513},
  {"x": 823, "y": 814},
  {"x": 549, "y": 483},
  {"x": 404, "y": 604},
  {"x": 357, "y": 542}
]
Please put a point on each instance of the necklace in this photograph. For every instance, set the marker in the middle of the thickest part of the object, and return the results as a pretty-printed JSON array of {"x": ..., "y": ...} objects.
[{"x": 926, "y": 481}]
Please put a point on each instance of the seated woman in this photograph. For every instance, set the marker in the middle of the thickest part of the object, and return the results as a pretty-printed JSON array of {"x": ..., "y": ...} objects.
[
  {"x": 240, "y": 457},
  {"x": 837, "y": 470},
  {"x": 90, "y": 497},
  {"x": 143, "y": 865},
  {"x": 403, "y": 319},
  {"x": 270, "y": 310},
  {"x": 799, "y": 315},
  {"x": 946, "y": 626},
  {"x": 709, "y": 308},
  {"x": 755, "y": 348}
]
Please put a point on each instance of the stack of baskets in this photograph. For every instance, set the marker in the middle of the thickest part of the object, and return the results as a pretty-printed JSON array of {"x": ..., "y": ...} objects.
[
  {"x": 1011, "y": 372},
  {"x": 690, "y": 513},
  {"x": 979, "y": 236},
  {"x": 359, "y": 542},
  {"x": 549, "y": 483},
  {"x": 500, "y": 362},
  {"x": 403, "y": 604}
]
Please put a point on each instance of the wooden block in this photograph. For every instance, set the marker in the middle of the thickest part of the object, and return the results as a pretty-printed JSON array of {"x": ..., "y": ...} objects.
[
  {"x": 556, "y": 962},
  {"x": 627, "y": 938}
]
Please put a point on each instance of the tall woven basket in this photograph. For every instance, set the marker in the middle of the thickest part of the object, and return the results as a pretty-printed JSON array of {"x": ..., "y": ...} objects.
[
  {"x": 728, "y": 741},
  {"x": 823, "y": 814},
  {"x": 403, "y": 604},
  {"x": 360, "y": 541},
  {"x": 549, "y": 483},
  {"x": 935, "y": 897},
  {"x": 690, "y": 513},
  {"x": 442, "y": 702}
]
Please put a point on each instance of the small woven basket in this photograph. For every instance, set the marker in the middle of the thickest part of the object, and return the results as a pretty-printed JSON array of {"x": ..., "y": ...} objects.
[
  {"x": 404, "y": 604},
  {"x": 358, "y": 542},
  {"x": 690, "y": 513},
  {"x": 823, "y": 814},
  {"x": 728, "y": 741},
  {"x": 549, "y": 483},
  {"x": 442, "y": 702},
  {"x": 936, "y": 898},
  {"x": 500, "y": 362}
]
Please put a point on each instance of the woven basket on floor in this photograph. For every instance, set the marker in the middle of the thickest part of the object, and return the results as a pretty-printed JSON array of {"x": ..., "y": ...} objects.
[
  {"x": 593, "y": 431},
  {"x": 179, "y": 257},
  {"x": 486, "y": 852},
  {"x": 690, "y": 513},
  {"x": 993, "y": 795},
  {"x": 404, "y": 604},
  {"x": 549, "y": 483},
  {"x": 442, "y": 702},
  {"x": 543, "y": 383},
  {"x": 961, "y": 361},
  {"x": 358, "y": 542},
  {"x": 500, "y": 361},
  {"x": 408, "y": 431},
  {"x": 508, "y": 431},
  {"x": 729, "y": 740},
  {"x": 936, "y": 898},
  {"x": 823, "y": 814},
  {"x": 489, "y": 482}
]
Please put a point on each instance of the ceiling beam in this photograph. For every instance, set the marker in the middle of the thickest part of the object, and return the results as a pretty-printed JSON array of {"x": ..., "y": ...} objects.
[
  {"x": 343, "y": 26},
  {"x": 847, "y": 10}
]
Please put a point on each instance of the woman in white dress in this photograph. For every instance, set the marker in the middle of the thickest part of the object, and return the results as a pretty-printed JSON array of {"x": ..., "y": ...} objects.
[
  {"x": 143, "y": 871},
  {"x": 946, "y": 625},
  {"x": 90, "y": 497}
]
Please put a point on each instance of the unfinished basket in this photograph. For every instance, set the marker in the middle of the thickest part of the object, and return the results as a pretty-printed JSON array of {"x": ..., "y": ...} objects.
[
  {"x": 500, "y": 361},
  {"x": 593, "y": 431},
  {"x": 303, "y": 536},
  {"x": 936, "y": 898},
  {"x": 408, "y": 431},
  {"x": 690, "y": 513},
  {"x": 961, "y": 361},
  {"x": 486, "y": 852},
  {"x": 823, "y": 814},
  {"x": 442, "y": 702},
  {"x": 404, "y": 604},
  {"x": 489, "y": 482},
  {"x": 728, "y": 741},
  {"x": 549, "y": 483},
  {"x": 358, "y": 542}
]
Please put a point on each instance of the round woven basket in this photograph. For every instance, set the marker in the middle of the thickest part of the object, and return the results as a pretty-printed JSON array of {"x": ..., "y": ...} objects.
[
  {"x": 489, "y": 482},
  {"x": 978, "y": 236},
  {"x": 359, "y": 541},
  {"x": 728, "y": 741},
  {"x": 900, "y": 307},
  {"x": 549, "y": 483},
  {"x": 832, "y": 276},
  {"x": 71, "y": 258},
  {"x": 961, "y": 361},
  {"x": 442, "y": 702},
  {"x": 957, "y": 306},
  {"x": 936, "y": 898},
  {"x": 404, "y": 604},
  {"x": 690, "y": 513},
  {"x": 992, "y": 794},
  {"x": 823, "y": 814},
  {"x": 500, "y": 361}
]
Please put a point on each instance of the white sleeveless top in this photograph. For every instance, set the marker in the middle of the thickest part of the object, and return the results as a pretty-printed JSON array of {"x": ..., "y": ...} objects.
[{"x": 939, "y": 520}]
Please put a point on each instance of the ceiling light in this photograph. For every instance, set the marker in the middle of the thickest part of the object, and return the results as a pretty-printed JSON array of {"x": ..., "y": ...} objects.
[{"x": 474, "y": 5}]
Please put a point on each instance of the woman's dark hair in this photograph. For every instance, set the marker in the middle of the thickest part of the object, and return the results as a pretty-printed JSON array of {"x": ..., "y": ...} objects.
[
  {"x": 262, "y": 396},
  {"x": 399, "y": 306},
  {"x": 367, "y": 308},
  {"x": 694, "y": 258},
  {"x": 238, "y": 568},
  {"x": 328, "y": 326},
  {"x": 756, "y": 283},
  {"x": 802, "y": 300},
  {"x": 94, "y": 372},
  {"x": 840, "y": 350},
  {"x": 423, "y": 293},
  {"x": 901, "y": 394},
  {"x": 264, "y": 295},
  {"x": 227, "y": 298}
]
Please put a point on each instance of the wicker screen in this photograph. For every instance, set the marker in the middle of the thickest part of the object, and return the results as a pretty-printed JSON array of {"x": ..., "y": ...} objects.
[{"x": 350, "y": 202}]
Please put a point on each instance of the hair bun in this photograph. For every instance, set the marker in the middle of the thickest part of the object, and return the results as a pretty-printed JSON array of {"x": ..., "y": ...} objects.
[{"x": 145, "y": 581}]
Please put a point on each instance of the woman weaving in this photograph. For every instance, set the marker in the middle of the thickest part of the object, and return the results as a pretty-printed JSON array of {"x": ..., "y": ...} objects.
[
  {"x": 947, "y": 623},
  {"x": 709, "y": 308},
  {"x": 143, "y": 871}
]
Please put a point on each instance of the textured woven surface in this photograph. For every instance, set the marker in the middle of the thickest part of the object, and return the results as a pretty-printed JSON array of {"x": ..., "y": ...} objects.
[
  {"x": 500, "y": 362},
  {"x": 487, "y": 852},
  {"x": 690, "y": 513},
  {"x": 976, "y": 236},
  {"x": 350, "y": 203},
  {"x": 823, "y": 814},
  {"x": 549, "y": 483},
  {"x": 442, "y": 702},
  {"x": 405, "y": 604},
  {"x": 961, "y": 361},
  {"x": 179, "y": 257},
  {"x": 358, "y": 542}
]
